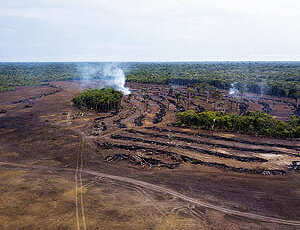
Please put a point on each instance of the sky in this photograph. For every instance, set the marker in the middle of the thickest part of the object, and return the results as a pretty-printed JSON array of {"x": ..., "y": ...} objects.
[{"x": 150, "y": 30}]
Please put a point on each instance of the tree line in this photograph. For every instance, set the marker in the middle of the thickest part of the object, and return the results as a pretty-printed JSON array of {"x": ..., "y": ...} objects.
[
  {"x": 254, "y": 123},
  {"x": 280, "y": 79},
  {"x": 272, "y": 78}
]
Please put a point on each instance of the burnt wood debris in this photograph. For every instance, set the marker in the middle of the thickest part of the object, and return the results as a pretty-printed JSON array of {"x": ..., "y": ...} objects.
[
  {"x": 179, "y": 159},
  {"x": 215, "y": 137}
]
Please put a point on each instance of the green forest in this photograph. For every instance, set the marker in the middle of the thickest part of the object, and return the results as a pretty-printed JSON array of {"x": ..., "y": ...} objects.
[
  {"x": 272, "y": 78},
  {"x": 30, "y": 74},
  {"x": 101, "y": 100},
  {"x": 255, "y": 123}
]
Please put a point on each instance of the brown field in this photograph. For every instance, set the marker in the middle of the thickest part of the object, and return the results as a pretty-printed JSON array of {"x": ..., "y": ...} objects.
[{"x": 60, "y": 168}]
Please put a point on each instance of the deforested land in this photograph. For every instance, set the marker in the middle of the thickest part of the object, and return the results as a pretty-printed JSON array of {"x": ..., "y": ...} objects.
[{"x": 210, "y": 145}]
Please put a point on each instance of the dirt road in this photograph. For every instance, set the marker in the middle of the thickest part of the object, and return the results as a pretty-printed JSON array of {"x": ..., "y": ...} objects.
[{"x": 166, "y": 191}]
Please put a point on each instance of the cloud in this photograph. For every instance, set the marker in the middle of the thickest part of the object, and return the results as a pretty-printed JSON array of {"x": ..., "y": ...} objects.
[{"x": 149, "y": 30}]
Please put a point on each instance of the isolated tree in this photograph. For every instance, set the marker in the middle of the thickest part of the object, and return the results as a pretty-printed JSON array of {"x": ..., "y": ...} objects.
[
  {"x": 168, "y": 103},
  {"x": 146, "y": 99},
  {"x": 295, "y": 93},
  {"x": 242, "y": 91},
  {"x": 230, "y": 105},
  {"x": 191, "y": 93},
  {"x": 178, "y": 97},
  {"x": 129, "y": 97},
  {"x": 297, "y": 98},
  {"x": 217, "y": 96},
  {"x": 171, "y": 91},
  {"x": 207, "y": 89}
]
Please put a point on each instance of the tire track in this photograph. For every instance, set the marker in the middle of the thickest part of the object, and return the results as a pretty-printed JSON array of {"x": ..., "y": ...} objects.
[
  {"x": 76, "y": 191},
  {"x": 166, "y": 191},
  {"x": 195, "y": 201},
  {"x": 82, "y": 143},
  {"x": 78, "y": 182},
  {"x": 147, "y": 197}
]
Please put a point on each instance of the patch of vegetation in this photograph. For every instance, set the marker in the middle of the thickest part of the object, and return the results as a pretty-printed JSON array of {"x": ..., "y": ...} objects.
[
  {"x": 101, "y": 100},
  {"x": 7, "y": 88},
  {"x": 255, "y": 123}
]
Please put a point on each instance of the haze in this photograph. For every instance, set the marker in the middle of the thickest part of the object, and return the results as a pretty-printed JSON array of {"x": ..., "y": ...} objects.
[{"x": 138, "y": 30}]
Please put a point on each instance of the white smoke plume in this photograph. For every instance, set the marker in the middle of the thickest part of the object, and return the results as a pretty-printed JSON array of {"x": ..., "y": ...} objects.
[
  {"x": 118, "y": 77},
  {"x": 101, "y": 75},
  {"x": 233, "y": 91}
]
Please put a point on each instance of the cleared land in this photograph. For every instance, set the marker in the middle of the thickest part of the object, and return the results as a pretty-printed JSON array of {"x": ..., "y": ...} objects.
[{"x": 135, "y": 170}]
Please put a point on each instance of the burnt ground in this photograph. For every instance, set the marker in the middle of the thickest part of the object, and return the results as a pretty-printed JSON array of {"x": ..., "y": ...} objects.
[{"x": 42, "y": 128}]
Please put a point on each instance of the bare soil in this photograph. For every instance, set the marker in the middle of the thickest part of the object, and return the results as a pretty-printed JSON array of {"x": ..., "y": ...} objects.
[{"x": 232, "y": 171}]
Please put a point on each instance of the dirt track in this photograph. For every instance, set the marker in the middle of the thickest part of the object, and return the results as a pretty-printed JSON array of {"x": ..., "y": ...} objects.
[
  {"x": 50, "y": 134},
  {"x": 167, "y": 191}
]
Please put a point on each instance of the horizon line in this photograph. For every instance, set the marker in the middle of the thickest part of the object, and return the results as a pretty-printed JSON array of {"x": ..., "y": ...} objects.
[{"x": 152, "y": 61}]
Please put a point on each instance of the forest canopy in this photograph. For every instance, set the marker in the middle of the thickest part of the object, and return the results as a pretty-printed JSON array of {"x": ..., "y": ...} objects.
[
  {"x": 101, "y": 100},
  {"x": 271, "y": 78},
  {"x": 257, "y": 123}
]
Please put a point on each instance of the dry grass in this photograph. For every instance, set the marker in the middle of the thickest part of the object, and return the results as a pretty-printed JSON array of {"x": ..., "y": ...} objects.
[{"x": 30, "y": 200}]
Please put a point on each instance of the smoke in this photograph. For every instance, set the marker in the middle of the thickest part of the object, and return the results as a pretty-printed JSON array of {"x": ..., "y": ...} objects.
[
  {"x": 233, "y": 91},
  {"x": 101, "y": 75},
  {"x": 263, "y": 87},
  {"x": 118, "y": 78}
]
